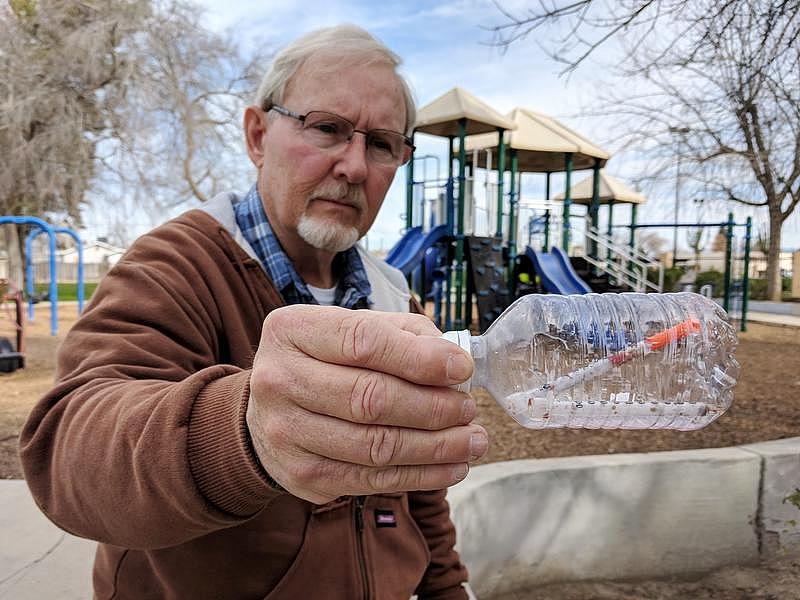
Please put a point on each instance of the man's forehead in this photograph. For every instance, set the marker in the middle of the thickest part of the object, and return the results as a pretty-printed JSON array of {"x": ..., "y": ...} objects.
[{"x": 325, "y": 83}]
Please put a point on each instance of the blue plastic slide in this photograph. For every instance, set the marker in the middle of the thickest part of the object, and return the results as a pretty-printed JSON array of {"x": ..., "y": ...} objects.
[
  {"x": 556, "y": 272},
  {"x": 409, "y": 252},
  {"x": 568, "y": 268},
  {"x": 409, "y": 237}
]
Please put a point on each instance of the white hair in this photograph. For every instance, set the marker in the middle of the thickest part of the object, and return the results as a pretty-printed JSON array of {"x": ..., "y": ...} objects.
[{"x": 349, "y": 44}]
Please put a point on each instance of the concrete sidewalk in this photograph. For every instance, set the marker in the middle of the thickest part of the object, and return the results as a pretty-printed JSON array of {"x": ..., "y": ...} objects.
[
  {"x": 525, "y": 523},
  {"x": 37, "y": 559},
  {"x": 786, "y": 320}
]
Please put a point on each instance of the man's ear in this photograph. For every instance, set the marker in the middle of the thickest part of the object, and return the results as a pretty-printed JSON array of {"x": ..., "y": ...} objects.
[{"x": 255, "y": 127}]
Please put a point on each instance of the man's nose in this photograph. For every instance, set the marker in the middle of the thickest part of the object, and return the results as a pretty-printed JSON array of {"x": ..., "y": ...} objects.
[{"x": 352, "y": 162}]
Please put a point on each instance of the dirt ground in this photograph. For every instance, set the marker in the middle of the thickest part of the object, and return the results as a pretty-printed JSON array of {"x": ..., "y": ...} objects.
[{"x": 766, "y": 407}]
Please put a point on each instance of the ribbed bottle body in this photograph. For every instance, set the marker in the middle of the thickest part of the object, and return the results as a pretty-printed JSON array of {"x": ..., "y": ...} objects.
[{"x": 612, "y": 361}]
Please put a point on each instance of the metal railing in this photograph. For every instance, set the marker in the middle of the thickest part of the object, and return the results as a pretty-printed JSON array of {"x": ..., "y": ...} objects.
[{"x": 625, "y": 265}]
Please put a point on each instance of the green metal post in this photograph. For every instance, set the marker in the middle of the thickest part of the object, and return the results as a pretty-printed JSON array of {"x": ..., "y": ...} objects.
[
  {"x": 410, "y": 188},
  {"x": 632, "y": 240},
  {"x": 450, "y": 216},
  {"x": 448, "y": 307},
  {"x": 565, "y": 234},
  {"x": 450, "y": 156},
  {"x": 501, "y": 175},
  {"x": 546, "y": 213},
  {"x": 459, "y": 270},
  {"x": 512, "y": 212},
  {"x": 726, "y": 299},
  {"x": 746, "y": 276},
  {"x": 610, "y": 226},
  {"x": 594, "y": 207}
]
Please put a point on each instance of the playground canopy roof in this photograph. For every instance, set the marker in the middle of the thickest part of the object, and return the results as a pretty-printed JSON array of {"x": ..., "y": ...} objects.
[
  {"x": 541, "y": 142},
  {"x": 611, "y": 189},
  {"x": 441, "y": 116}
]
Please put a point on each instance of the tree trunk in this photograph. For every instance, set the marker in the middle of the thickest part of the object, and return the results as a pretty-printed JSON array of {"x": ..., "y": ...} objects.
[
  {"x": 774, "y": 256},
  {"x": 11, "y": 242}
]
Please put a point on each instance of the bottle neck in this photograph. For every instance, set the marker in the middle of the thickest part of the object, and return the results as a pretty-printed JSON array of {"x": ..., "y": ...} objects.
[{"x": 475, "y": 346}]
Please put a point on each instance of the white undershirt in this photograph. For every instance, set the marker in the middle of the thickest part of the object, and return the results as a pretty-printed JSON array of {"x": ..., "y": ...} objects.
[{"x": 325, "y": 296}]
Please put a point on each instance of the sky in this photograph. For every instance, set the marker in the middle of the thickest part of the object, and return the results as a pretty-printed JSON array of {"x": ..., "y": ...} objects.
[{"x": 447, "y": 44}]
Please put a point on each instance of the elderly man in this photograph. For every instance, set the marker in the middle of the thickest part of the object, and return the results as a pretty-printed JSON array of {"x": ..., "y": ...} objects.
[{"x": 219, "y": 430}]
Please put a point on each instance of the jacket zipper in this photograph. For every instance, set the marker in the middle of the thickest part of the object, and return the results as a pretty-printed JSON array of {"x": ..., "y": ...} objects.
[{"x": 359, "y": 507}]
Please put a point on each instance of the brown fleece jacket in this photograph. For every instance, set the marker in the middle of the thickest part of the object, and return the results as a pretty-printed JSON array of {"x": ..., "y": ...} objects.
[{"x": 142, "y": 446}]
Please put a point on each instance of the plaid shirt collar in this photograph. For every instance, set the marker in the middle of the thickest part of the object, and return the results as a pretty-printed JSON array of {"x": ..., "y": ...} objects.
[{"x": 353, "y": 289}]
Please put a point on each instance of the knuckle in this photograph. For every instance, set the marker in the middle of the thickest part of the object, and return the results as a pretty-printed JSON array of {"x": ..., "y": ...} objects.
[
  {"x": 278, "y": 319},
  {"x": 272, "y": 431},
  {"x": 279, "y": 324},
  {"x": 440, "y": 451},
  {"x": 385, "y": 444},
  {"x": 308, "y": 473},
  {"x": 387, "y": 479},
  {"x": 438, "y": 408},
  {"x": 268, "y": 379},
  {"x": 358, "y": 340},
  {"x": 368, "y": 398}
]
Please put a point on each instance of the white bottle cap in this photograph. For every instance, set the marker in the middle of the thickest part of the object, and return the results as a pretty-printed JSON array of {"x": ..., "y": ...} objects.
[{"x": 462, "y": 338}]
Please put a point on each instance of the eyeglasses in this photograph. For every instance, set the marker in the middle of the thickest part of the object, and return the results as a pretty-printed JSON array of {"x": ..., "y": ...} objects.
[{"x": 329, "y": 131}]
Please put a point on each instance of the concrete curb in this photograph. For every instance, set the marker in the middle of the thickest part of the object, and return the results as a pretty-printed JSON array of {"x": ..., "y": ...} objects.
[
  {"x": 525, "y": 523},
  {"x": 528, "y": 522}
]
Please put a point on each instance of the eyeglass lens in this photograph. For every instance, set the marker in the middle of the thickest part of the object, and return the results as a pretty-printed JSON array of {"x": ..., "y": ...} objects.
[{"x": 326, "y": 130}]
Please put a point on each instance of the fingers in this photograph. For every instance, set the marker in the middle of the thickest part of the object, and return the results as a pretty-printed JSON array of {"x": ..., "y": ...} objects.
[
  {"x": 312, "y": 476},
  {"x": 381, "y": 446},
  {"x": 319, "y": 458},
  {"x": 405, "y": 345},
  {"x": 369, "y": 397},
  {"x": 357, "y": 402}
]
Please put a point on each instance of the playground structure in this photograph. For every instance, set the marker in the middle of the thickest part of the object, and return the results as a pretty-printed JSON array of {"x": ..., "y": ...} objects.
[
  {"x": 448, "y": 264},
  {"x": 12, "y": 358}
]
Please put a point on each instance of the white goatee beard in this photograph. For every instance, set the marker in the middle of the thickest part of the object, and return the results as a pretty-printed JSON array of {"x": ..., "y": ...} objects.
[
  {"x": 328, "y": 234},
  {"x": 325, "y": 234}
]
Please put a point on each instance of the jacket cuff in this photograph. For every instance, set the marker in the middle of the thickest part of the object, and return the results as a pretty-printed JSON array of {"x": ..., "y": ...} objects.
[{"x": 221, "y": 456}]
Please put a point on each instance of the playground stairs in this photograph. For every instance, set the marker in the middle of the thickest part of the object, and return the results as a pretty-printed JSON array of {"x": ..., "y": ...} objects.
[
  {"x": 486, "y": 280},
  {"x": 599, "y": 282},
  {"x": 627, "y": 267}
]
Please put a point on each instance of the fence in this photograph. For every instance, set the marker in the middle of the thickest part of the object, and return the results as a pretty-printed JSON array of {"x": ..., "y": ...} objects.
[
  {"x": 716, "y": 260},
  {"x": 67, "y": 271}
]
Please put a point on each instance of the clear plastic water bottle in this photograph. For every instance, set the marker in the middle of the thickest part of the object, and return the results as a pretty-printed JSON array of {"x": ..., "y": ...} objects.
[{"x": 610, "y": 361}]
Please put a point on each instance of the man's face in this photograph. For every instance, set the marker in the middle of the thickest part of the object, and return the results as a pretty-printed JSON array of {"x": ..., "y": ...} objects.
[{"x": 336, "y": 192}]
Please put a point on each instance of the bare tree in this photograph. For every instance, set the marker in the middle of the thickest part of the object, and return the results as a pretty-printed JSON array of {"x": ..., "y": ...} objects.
[
  {"x": 129, "y": 101},
  {"x": 696, "y": 239},
  {"x": 62, "y": 65},
  {"x": 178, "y": 137},
  {"x": 717, "y": 80},
  {"x": 584, "y": 26}
]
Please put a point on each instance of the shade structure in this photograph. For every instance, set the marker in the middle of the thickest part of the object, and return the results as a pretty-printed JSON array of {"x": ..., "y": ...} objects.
[
  {"x": 541, "y": 143},
  {"x": 441, "y": 116},
  {"x": 611, "y": 190}
]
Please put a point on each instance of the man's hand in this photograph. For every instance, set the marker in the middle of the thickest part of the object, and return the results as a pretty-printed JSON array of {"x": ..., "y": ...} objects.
[{"x": 347, "y": 402}]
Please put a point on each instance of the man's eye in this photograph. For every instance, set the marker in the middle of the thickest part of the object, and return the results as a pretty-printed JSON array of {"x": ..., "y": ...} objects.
[
  {"x": 326, "y": 128},
  {"x": 382, "y": 145}
]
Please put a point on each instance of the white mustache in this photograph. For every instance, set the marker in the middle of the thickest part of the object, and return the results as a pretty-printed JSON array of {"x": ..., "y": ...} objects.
[{"x": 352, "y": 195}]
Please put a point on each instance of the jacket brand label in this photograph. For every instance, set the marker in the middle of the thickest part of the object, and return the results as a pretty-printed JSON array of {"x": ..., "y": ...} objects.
[{"x": 385, "y": 518}]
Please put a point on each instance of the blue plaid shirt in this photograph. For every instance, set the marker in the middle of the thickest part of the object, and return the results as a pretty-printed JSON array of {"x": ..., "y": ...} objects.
[{"x": 353, "y": 289}]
